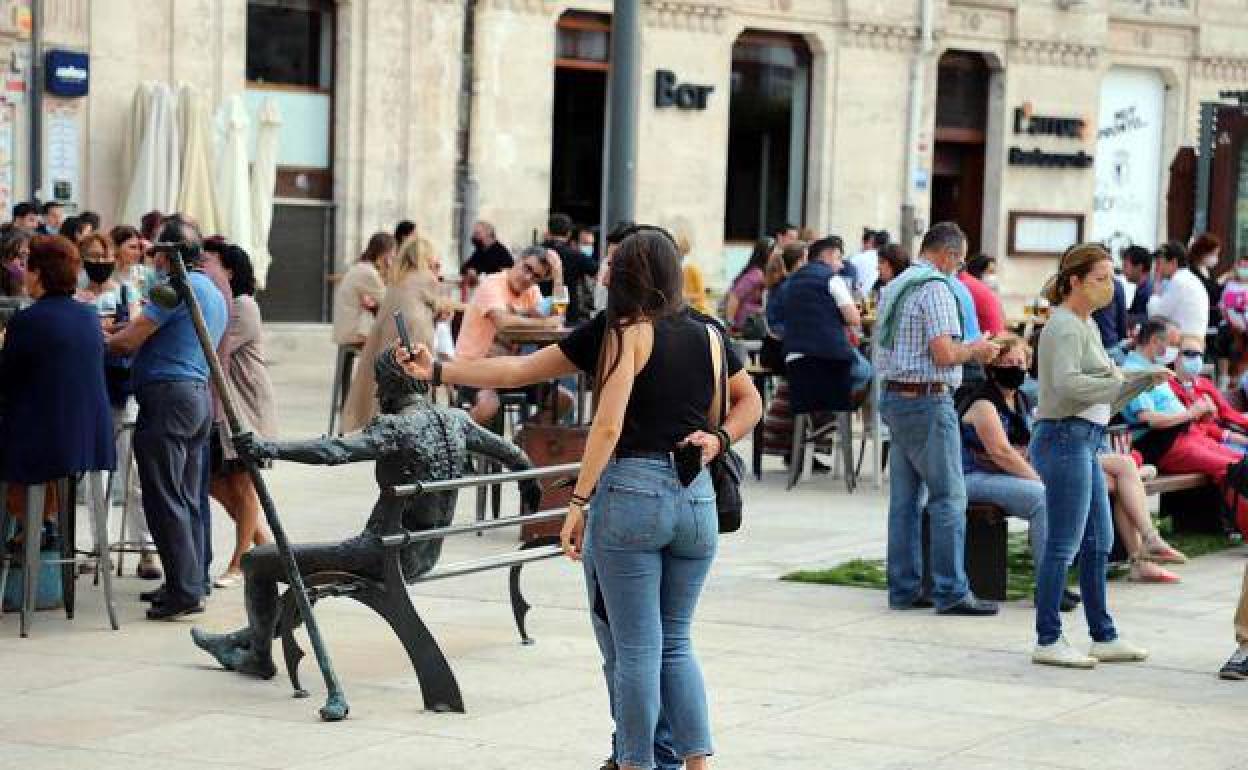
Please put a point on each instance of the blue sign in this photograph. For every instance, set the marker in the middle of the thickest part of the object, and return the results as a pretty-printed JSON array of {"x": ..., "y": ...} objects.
[{"x": 68, "y": 73}]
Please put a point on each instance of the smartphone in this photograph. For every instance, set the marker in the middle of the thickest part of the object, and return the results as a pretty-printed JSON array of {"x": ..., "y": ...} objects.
[
  {"x": 688, "y": 463},
  {"x": 405, "y": 339}
]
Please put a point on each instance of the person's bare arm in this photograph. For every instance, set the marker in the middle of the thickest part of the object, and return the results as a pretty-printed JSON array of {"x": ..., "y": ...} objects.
[
  {"x": 504, "y": 320},
  {"x": 497, "y": 372},
  {"x": 1159, "y": 421},
  {"x": 850, "y": 314},
  {"x": 127, "y": 341},
  {"x": 987, "y": 423},
  {"x": 948, "y": 352}
]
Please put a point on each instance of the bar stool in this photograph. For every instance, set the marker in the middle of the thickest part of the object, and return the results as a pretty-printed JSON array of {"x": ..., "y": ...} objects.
[
  {"x": 33, "y": 535},
  {"x": 344, "y": 367},
  {"x": 128, "y": 469}
]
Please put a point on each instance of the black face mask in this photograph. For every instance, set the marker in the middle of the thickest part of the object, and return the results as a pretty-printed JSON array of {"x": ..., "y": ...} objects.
[
  {"x": 99, "y": 272},
  {"x": 478, "y": 243},
  {"x": 1009, "y": 377}
]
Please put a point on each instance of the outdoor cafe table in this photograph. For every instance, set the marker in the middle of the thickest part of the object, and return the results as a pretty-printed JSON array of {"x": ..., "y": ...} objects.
[{"x": 541, "y": 338}]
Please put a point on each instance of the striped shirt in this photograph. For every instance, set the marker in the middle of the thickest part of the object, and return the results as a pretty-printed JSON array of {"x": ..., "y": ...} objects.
[{"x": 929, "y": 312}]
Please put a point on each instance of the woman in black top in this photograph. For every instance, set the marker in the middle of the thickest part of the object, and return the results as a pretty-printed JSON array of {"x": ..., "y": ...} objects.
[{"x": 651, "y": 539}]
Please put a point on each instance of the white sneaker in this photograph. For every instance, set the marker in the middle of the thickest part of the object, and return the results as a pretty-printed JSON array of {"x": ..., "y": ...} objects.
[
  {"x": 1117, "y": 651},
  {"x": 1060, "y": 653}
]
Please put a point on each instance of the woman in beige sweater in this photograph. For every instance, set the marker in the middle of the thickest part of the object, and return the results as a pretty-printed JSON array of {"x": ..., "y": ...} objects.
[
  {"x": 414, "y": 290},
  {"x": 1080, "y": 389}
]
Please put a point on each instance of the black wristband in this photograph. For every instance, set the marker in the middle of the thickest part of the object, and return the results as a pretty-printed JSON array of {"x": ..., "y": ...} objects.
[
  {"x": 437, "y": 374},
  {"x": 725, "y": 441}
]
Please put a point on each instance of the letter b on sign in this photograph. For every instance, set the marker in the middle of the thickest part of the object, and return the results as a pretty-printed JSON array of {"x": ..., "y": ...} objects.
[{"x": 668, "y": 93}]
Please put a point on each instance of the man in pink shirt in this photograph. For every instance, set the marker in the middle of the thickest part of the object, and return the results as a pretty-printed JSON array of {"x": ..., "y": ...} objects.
[
  {"x": 506, "y": 300},
  {"x": 988, "y": 310}
]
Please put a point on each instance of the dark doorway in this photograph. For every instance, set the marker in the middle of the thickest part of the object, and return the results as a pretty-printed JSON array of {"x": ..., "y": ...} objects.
[
  {"x": 579, "y": 116},
  {"x": 961, "y": 134}
]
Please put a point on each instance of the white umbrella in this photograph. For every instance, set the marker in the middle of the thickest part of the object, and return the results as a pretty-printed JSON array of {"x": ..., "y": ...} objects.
[
  {"x": 156, "y": 171},
  {"x": 233, "y": 184},
  {"x": 197, "y": 196},
  {"x": 263, "y": 184},
  {"x": 136, "y": 126}
]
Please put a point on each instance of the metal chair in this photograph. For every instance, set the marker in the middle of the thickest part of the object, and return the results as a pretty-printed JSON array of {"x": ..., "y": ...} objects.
[
  {"x": 36, "y": 495},
  {"x": 128, "y": 469},
  {"x": 344, "y": 367}
]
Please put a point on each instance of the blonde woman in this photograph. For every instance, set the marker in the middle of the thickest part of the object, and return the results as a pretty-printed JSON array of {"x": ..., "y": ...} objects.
[
  {"x": 695, "y": 284},
  {"x": 413, "y": 289}
]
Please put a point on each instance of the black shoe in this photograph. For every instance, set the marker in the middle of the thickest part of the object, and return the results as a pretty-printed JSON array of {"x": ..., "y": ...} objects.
[
  {"x": 923, "y": 602},
  {"x": 971, "y": 606},
  {"x": 173, "y": 611},
  {"x": 818, "y": 467},
  {"x": 1070, "y": 600},
  {"x": 1237, "y": 667},
  {"x": 609, "y": 764},
  {"x": 154, "y": 596}
]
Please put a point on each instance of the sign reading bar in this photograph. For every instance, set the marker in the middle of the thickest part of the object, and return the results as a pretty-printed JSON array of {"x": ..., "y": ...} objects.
[
  {"x": 685, "y": 96},
  {"x": 68, "y": 73}
]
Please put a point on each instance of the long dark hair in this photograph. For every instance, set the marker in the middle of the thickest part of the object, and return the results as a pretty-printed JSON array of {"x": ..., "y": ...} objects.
[
  {"x": 646, "y": 284},
  {"x": 758, "y": 257}
]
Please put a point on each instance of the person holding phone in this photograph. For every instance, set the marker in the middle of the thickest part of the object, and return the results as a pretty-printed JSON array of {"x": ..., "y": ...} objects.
[{"x": 651, "y": 540}]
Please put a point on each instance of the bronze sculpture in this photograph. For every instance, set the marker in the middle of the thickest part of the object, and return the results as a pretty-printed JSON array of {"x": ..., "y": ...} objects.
[{"x": 411, "y": 440}]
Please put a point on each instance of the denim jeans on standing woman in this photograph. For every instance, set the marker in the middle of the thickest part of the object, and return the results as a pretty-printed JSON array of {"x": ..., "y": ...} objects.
[
  {"x": 1064, "y": 453},
  {"x": 649, "y": 543},
  {"x": 925, "y": 461}
]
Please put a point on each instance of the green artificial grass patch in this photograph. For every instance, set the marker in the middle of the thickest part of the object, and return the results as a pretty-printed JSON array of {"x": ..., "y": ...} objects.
[{"x": 870, "y": 573}]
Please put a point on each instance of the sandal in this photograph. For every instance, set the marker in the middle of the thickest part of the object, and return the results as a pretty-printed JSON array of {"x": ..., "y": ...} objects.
[{"x": 1161, "y": 552}]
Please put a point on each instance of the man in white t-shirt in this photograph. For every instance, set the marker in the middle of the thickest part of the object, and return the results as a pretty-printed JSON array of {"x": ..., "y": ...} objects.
[
  {"x": 867, "y": 261},
  {"x": 1178, "y": 294}
]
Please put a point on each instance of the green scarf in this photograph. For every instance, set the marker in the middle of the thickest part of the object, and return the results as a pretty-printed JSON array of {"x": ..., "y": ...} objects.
[{"x": 914, "y": 277}]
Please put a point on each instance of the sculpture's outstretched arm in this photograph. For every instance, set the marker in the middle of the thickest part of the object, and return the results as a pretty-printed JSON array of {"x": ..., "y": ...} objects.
[{"x": 355, "y": 447}]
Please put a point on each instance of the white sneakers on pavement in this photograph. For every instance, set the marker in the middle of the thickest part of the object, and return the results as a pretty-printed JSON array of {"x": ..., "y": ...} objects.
[{"x": 1061, "y": 653}]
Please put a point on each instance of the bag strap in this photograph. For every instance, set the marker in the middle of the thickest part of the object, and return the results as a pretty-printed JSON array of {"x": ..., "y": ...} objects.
[{"x": 719, "y": 370}]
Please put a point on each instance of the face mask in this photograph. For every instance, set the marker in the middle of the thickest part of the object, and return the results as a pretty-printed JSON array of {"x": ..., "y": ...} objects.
[
  {"x": 1192, "y": 365},
  {"x": 993, "y": 282},
  {"x": 587, "y": 249},
  {"x": 1168, "y": 357},
  {"x": 1242, "y": 272},
  {"x": 1009, "y": 377},
  {"x": 1099, "y": 296},
  {"x": 1210, "y": 261},
  {"x": 98, "y": 272}
]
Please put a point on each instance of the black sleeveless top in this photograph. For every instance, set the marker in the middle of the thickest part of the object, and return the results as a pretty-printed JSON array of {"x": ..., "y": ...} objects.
[{"x": 672, "y": 393}]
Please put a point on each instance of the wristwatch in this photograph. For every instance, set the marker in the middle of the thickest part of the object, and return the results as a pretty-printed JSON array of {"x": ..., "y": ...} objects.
[{"x": 437, "y": 374}]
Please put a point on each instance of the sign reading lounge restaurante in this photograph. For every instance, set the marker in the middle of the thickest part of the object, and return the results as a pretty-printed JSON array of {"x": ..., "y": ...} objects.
[{"x": 1027, "y": 123}]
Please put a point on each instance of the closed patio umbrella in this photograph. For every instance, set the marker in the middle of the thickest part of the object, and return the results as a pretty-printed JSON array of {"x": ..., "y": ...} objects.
[
  {"x": 233, "y": 183},
  {"x": 157, "y": 168},
  {"x": 197, "y": 196},
  {"x": 263, "y": 183}
]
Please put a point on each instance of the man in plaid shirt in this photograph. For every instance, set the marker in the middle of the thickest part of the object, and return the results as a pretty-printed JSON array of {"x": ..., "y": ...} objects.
[{"x": 919, "y": 360}]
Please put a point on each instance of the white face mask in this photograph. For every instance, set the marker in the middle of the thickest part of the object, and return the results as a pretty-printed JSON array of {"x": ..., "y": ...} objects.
[
  {"x": 1210, "y": 261},
  {"x": 1168, "y": 357},
  {"x": 993, "y": 282}
]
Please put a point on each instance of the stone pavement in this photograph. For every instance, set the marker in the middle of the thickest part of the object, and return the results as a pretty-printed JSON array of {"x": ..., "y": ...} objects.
[{"x": 800, "y": 677}]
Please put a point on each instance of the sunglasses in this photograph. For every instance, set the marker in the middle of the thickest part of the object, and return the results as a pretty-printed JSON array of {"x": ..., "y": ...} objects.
[
  {"x": 532, "y": 272},
  {"x": 1192, "y": 353}
]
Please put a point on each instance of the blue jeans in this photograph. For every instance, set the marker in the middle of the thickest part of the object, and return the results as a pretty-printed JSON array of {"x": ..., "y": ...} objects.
[
  {"x": 925, "y": 459},
  {"x": 649, "y": 544},
  {"x": 1018, "y": 497},
  {"x": 1064, "y": 452}
]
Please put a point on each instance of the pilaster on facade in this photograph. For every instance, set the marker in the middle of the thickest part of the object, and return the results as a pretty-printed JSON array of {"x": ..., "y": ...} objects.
[
  {"x": 1057, "y": 53},
  {"x": 686, "y": 15}
]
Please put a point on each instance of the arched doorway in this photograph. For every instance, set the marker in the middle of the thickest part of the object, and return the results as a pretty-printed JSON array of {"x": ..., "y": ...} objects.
[{"x": 961, "y": 135}]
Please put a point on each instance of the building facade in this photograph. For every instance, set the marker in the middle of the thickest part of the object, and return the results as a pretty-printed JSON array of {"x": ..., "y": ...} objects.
[{"x": 1040, "y": 121}]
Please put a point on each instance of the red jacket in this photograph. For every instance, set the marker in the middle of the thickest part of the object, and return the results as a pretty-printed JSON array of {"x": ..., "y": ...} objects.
[
  {"x": 988, "y": 310},
  {"x": 1213, "y": 426}
]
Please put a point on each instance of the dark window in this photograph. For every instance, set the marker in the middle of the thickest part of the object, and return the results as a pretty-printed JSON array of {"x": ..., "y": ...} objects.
[
  {"x": 290, "y": 43},
  {"x": 767, "y": 134}
]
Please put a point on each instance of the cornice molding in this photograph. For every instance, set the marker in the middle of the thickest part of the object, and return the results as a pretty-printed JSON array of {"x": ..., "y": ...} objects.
[
  {"x": 685, "y": 15},
  {"x": 536, "y": 7},
  {"x": 1222, "y": 68},
  {"x": 881, "y": 37},
  {"x": 1054, "y": 53}
]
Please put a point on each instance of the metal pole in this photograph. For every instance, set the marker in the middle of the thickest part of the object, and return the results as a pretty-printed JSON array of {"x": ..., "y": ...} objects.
[
  {"x": 914, "y": 127},
  {"x": 335, "y": 707},
  {"x": 36, "y": 99},
  {"x": 465, "y": 179},
  {"x": 623, "y": 92},
  {"x": 1204, "y": 166}
]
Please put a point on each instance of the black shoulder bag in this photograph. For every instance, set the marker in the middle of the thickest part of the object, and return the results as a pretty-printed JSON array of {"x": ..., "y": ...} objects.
[{"x": 727, "y": 469}]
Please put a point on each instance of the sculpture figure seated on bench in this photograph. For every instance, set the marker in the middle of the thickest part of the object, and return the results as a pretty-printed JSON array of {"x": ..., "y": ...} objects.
[{"x": 412, "y": 440}]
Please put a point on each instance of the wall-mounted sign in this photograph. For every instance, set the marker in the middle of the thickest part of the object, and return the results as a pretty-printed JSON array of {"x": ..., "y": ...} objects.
[
  {"x": 1027, "y": 123},
  {"x": 68, "y": 73},
  {"x": 1129, "y": 142},
  {"x": 667, "y": 93},
  {"x": 1043, "y": 233}
]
